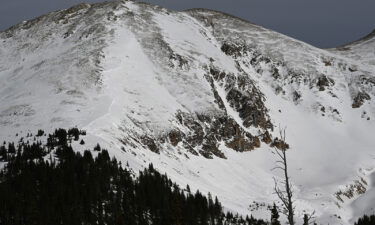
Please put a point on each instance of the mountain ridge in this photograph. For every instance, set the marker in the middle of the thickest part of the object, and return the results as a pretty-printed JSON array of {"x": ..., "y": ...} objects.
[
  {"x": 367, "y": 37},
  {"x": 364, "y": 38}
]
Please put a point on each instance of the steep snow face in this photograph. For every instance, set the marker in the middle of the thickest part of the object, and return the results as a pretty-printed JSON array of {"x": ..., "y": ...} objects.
[
  {"x": 293, "y": 67},
  {"x": 201, "y": 95},
  {"x": 50, "y": 69}
]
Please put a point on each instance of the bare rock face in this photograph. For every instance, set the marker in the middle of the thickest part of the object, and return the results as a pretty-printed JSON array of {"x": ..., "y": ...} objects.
[
  {"x": 244, "y": 97},
  {"x": 175, "y": 137},
  {"x": 150, "y": 144},
  {"x": 360, "y": 98},
  {"x": 204, "y": 133},
  {"x": 233, "y": 49},
  {"x": 323, "y": 82},
  {"x": 279, "y": 144}
]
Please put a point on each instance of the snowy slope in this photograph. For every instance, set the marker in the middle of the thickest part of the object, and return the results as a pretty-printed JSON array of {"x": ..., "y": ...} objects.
[{"x": 201, "y": 95}]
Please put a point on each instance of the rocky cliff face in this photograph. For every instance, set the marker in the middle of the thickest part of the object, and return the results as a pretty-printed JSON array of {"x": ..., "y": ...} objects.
[{"x": 200, "y": 94}]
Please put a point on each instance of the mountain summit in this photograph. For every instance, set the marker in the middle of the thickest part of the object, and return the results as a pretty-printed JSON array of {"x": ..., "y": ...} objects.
[{"x": 202, "y": 95}]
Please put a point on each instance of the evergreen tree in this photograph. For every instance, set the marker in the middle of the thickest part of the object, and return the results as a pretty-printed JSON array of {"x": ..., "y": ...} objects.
[
  {"x": 97, "y": 148},
  {"x": 40, "y": 133},
  {"x": 305, "y": 219},
  {"x": 275, "y": 215}
]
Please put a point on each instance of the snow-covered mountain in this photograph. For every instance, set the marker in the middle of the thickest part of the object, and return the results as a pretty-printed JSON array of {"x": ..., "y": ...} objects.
[{"x": 201, "y": 95}]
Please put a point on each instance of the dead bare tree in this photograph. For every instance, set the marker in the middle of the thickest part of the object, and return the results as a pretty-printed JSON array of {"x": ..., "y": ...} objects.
[{"x": 285, "y": 192}]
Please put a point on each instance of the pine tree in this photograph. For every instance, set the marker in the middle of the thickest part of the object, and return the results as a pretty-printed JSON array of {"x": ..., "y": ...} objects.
[
  {"x": 40, "y": 133},
  {"x": 275, "y": 215},
  {"x": 305, "y": 219},
  {"x": 97, "y": 148}
]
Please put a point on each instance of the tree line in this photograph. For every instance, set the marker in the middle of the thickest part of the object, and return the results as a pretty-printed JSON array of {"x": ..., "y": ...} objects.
[
  {"x": 53, "y": 184},
  {"x": 366, "y": 220}
]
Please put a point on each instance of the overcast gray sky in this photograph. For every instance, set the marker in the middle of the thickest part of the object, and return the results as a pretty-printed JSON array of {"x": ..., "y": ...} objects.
[{"x": 323, "y": 23}]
